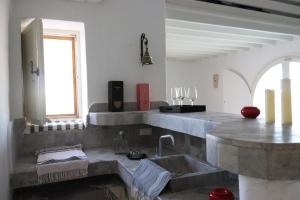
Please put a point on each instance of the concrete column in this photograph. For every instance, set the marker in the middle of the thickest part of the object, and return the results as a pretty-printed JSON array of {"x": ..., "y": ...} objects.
[{"x": 260, "y": 189}]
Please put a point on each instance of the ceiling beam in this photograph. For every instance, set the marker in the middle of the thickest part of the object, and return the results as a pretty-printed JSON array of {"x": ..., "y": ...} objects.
[
  {"x": 226, "y": 30},
  {"x": 199, "y": 48},
  {"x": 207, "y": 44},
  {"x": 187, "y": 55},
  {"x": 208, "y": 13},
  {"x": 212, "y": 40},
  {"x": 187, "y": 58},
  {"x": 218, "y": 36},
  {"x": 270, "y": 5},
  {"x": 192, "y": 52},
  {"x": 190, "y": 57}
]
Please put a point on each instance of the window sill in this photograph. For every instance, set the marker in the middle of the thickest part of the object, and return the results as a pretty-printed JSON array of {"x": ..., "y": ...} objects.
[{"x": 62, "y": 119}]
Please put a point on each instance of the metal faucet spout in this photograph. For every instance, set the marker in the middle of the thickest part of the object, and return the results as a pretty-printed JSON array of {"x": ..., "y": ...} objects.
[{"x": 160, "y": 143}]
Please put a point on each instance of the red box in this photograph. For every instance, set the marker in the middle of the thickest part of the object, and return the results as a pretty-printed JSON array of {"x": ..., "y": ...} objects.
[{"x": 142, "y": 94}]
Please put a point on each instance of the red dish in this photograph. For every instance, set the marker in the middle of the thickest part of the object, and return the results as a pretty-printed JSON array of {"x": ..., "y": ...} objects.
[
  {"x": 250, "y": 112},
  {"x": 221, "y": 194}
]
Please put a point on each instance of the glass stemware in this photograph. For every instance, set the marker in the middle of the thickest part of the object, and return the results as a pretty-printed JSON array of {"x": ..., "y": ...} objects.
[
  {"x": 178, "y": 94},
  {"x": 182, "y": 94},
  {"x": 194, "y": 95},
  {"x": 173, "y": 96},
  {"x": 186, "y": 96}
]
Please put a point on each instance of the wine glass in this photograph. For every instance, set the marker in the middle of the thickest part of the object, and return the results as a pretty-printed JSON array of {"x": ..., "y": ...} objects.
[
  {"x": 194, "y": 95},
  {"x": 177, "y": 94},
  {"x": 173, "y": 96},
  {"x": 182, "y": 96},
  {"x": 187, "y": 93}
]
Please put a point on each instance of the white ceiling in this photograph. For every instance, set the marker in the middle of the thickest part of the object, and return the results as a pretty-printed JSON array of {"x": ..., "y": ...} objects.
[
  {"x": 193, "y": 41},
  {"x": 87, "y": 1},
  {"x": 280, "y": 7}
]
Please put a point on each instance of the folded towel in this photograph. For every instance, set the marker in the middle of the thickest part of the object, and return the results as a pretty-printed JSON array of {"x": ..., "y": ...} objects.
[
  {"x": 61, "y": 156},
  {"x": 56, "y": 149},
  {"x": 149, "y": 180},
  {"x": 60, "y": 164}
]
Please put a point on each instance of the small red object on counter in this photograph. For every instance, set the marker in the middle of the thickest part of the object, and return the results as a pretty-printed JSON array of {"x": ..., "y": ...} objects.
[
  {"x": 221, "y": 194},
  {"x": 142, "y": 93},
  {"x": 250, "y": 112}
]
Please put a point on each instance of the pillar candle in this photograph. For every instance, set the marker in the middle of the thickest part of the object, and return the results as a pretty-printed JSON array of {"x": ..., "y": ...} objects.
[
  {"x": 286, "y": 102},
  {"x": 270, "y": 106}
]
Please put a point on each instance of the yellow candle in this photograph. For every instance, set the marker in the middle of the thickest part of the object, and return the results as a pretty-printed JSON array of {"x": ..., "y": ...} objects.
[
  {"x": 270, "y": 106},
  {"x": 286, "y": 102}
]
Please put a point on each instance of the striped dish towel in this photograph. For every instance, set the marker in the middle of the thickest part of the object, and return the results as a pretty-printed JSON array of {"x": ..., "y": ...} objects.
[
  {"x": 55, "y": 126},
  {"x": 149, "y": 180},
  {"x": 60, "y": 164}
]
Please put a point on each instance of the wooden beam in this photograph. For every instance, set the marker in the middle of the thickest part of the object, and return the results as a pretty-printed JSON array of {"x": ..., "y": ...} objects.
[{"x": 208, "y": 28}]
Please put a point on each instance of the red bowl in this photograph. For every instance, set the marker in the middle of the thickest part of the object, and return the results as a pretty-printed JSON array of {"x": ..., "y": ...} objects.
[
  {"x": 221, "y": 194},
  {"x": 250, "y": 112}
]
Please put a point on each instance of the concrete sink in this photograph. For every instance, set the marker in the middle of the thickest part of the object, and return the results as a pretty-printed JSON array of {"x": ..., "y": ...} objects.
[{"x": 188, "y": 172}]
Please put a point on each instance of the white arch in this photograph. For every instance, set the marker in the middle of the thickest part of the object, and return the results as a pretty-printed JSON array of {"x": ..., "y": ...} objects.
[
  {"x": 291, "y": 57},
  {"x": 257, "y": 89}
]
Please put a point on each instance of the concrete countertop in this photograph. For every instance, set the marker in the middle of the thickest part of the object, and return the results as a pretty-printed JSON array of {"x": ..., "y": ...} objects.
[
  {"x": 195, "y": 124},
  {"x": 256, "y": 149},
  {"x": 103, "y": 161},
  {"x": 227, "y": 127},
  {"x": 248, "y": 147},
  {"x": 242, "y": 146}
]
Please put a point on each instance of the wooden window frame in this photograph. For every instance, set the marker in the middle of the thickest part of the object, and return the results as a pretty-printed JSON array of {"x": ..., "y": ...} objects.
[{"x": 75, "y": 85}]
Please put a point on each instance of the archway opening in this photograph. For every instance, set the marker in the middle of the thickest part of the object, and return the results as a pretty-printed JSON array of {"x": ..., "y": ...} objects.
[{"x": 271, "y": 80}]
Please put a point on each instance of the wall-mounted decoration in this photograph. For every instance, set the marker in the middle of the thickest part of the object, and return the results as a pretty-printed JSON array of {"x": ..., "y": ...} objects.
[
  {"x": 216, "y": 80},
  {"x": 146, "y": 59}
]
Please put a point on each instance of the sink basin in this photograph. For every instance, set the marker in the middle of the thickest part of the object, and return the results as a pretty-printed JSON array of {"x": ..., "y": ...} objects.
[{"x": 188, "y": 172}]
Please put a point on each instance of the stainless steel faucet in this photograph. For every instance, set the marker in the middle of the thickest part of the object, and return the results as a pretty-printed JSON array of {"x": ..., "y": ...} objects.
[{"x": 159, "y": 153}]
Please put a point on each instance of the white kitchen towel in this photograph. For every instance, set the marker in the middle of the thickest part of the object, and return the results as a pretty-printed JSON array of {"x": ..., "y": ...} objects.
[
  {"x": 60, "y": 164},
  {"x": 149, "y": 180}
]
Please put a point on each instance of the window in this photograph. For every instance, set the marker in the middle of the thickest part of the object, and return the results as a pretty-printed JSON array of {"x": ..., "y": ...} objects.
[
  {"x": 60, "y": 76},
  {"x": 271, "y": 80},
  {"x": 54, "y": 70}
]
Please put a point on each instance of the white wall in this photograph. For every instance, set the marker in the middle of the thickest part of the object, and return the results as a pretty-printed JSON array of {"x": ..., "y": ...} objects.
[
  {"x": 192, "y": 74},
  {"x": 113, "y": 30},
  {"x": 4, "y": 99},
  {"x": 249, "y": 64}
]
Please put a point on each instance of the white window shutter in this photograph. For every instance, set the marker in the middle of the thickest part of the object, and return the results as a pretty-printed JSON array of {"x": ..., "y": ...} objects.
[{"x": 33, "y": 73}]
